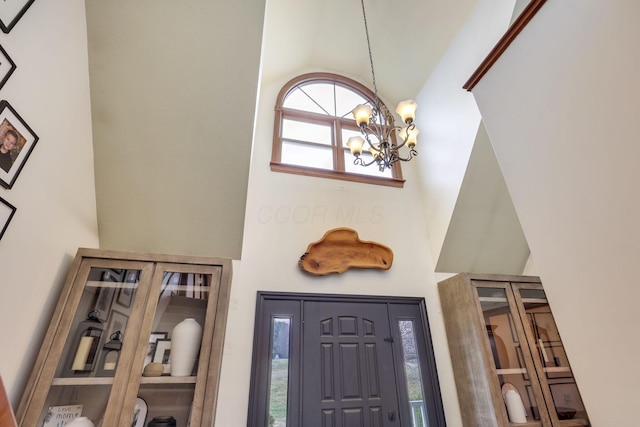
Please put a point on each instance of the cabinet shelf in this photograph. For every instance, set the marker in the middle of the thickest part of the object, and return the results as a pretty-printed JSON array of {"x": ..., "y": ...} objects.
[
  {"x": 492, "y": 299},
  {"x": 511, "y": 371},
  {"x": 556, "y": 369},
  {"x": 82, "y": 381},
  {"x": 168, "y": 380}
]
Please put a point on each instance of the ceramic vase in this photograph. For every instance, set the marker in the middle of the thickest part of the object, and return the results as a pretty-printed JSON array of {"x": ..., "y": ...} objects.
[
  {"x": 80, "y": 422},
  {"x": 515, "y": 407},
  {"x": 185, "y": 344}
]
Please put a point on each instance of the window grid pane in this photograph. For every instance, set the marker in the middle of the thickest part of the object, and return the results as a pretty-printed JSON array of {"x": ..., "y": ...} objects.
[
  {"x": 308, "y": 155},
  {"x": 299, "y": 100},
  {"x": 323, "y": 95},
  {"x": 302, "y": 131},
  {"x": 346, "y": 101}
]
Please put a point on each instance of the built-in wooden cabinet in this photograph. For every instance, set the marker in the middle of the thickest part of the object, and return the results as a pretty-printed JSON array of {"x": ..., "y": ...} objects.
[
  {"x": 503, "y": 339},
  {"x": 115, "y": 315}
]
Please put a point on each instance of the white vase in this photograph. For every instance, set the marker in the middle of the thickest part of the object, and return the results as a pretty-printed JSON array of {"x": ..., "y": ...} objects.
[
  {"x": 185, "y": 344},
  {"x": 80, "y": 422}
]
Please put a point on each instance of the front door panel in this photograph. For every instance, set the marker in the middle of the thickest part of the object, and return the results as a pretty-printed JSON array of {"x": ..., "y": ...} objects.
[{"x": 348, "y": 377}]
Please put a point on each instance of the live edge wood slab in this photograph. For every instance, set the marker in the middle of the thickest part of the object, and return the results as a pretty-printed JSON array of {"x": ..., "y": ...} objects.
[{"x": 341, "y": 249}]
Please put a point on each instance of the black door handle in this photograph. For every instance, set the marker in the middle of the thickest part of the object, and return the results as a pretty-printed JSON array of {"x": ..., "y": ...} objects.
[{"x": 391, "y": 415}]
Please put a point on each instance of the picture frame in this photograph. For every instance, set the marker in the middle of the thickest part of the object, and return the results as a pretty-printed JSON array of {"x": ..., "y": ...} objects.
[
  {"x": 7, "y": 66},
  {"x": 13, "y": 159},
  {"x": 7, "y": 210},
  {"x": 106, "y": 293},
  {"x": 151, "y": 349},
  {"x": 163, "y": 354},
  {"x": 125, "y": 294},
  {"x": 117, "y": 322},
  {"x": 11, "y": 12},
  {"x": 139, "y": 413}
]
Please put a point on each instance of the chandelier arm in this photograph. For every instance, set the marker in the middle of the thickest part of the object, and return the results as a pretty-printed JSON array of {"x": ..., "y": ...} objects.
[
  {"x": 402, "y": 143},
  {"x": 358, "y": 161},
  {"x": 373, "y": 147},
  {"x": 410, "y": 128},
  {"x": 412, "y": 154}
]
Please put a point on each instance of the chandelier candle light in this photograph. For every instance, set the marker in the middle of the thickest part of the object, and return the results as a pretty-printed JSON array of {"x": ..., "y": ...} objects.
[{"x": 378, "y": 127}]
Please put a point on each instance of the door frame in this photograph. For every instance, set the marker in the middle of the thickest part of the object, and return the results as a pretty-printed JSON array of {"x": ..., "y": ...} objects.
[{"x": 260, "y": 368}]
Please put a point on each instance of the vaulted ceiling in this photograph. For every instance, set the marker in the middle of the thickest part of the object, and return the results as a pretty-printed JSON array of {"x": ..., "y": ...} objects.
[
  {"x": 165, "y": 75},
  {"x": 173, "y": 83}
]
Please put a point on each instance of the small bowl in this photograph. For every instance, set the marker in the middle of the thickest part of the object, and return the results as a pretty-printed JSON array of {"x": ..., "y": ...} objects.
[
  {"x": 565, "y": 413},
  {"x": 153, "y": 369}
]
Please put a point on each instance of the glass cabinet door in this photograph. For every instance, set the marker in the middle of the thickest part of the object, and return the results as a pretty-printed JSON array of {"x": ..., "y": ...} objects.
[
  {"x": 97, "y": 337},
  {"x": 510, "y": 354},
  {"x": 176, "y": 342},
  {"x": 556, "y": 378}
]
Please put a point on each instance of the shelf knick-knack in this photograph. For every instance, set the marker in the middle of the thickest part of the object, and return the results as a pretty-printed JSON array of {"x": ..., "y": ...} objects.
[
  {"x": 185, "y": 346},
  {"x": 80, "y": 422},
  {"x": 84, "y": 350},
  {"x": 110, "y": 355}
]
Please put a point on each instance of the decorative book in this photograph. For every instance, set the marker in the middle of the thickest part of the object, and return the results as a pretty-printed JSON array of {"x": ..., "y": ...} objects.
[{"x": 58, "y": 416}]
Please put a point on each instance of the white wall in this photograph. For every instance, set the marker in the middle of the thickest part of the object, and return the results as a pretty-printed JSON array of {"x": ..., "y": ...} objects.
[
  {"x": 54, "y": 193},
  {"x": 448, "y": 117},
  {"x": 285, "y": 213},
  {"x": 561, "y": 109}
]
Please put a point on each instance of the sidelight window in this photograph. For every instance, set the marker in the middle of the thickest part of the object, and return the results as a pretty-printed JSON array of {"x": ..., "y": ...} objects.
[
  {"x": 279, "y": 377},
  {"x": 412, "y": 374}
]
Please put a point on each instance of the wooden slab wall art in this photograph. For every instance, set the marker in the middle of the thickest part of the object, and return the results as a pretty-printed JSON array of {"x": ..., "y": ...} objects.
[{"x": 341, "y": 249}]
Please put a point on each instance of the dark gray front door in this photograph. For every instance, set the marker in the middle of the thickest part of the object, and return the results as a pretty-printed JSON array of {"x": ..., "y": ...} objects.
[
  {"x": 343, "y": 361},
  {"x": 348, "y": 377}
]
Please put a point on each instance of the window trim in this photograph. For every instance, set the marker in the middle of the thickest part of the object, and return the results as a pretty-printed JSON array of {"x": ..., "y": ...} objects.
[{"x": 338, "y": 154}]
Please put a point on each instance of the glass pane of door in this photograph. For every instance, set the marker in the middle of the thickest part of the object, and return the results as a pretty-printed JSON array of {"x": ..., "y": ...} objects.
[
  {"x": 508, "y": 356},
  {"x": 85, "y": 374},
  {"x": 175, "y": 345},
  {"x": 557, "y": 372},
  {"x": 412, "y": 373},
  {"x": 279, "y": 378}
]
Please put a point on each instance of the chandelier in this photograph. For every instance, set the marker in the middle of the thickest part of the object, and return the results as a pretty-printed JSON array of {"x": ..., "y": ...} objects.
[{"x": 383, "y": 138}]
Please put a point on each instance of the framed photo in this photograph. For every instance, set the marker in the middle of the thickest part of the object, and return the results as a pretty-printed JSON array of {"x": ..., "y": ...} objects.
[
  {"x": 125, "y": 294},
  {"x": 7, "y": 66},
  {"x": 104, "y": 297},
  {"x": 139, "y": 413},
  {"x": 111, "y": 275},
  {"x": 11, "y": 12},
  {"x": 117, "y": 322},
  {"x": 151, "y": 350},
  {"x": 163, "y": 354},
  {"x": 6, "y": 213},
  {"x": 17, "y": 141},
  {"x": 60, "y": 415}
]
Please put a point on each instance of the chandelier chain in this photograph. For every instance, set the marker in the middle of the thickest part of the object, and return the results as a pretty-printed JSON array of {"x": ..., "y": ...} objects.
[
  {"x": 373, "y": 73},
  {"x": 378, "y": 126}
]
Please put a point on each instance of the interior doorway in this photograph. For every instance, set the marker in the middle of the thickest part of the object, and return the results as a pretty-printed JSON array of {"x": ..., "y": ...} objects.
[{"x": 343, "y": 361}]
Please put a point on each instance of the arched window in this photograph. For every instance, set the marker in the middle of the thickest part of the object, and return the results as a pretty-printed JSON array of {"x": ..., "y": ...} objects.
[{"x": 313, "y": 122}]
